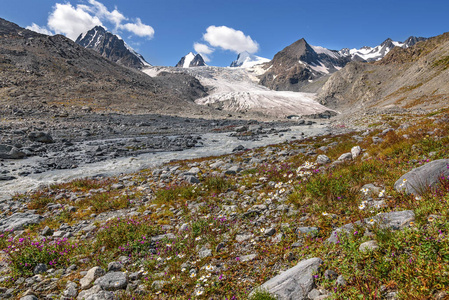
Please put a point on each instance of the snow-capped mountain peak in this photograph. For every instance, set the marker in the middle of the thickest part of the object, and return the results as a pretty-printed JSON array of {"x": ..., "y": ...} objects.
[
  {"x": 112, "y": 47},
  {"x": 247, "y": 60},
  {"x": 191, "y": 60}
]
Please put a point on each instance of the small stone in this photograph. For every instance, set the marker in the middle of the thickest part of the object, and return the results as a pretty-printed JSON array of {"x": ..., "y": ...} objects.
[
  {"x": 47, "y": 231},
  {"x": 205, "y": 253},
  {"x": 115, "y": 266},
  {"x": 323, "y": 160},
  {"x": 248, "y": 257},
  {"x": 368, "y": 246},
  {"x": 330, "y": 274},
  {"x": 341, "y": 281},
  {"x": 270, "y": 231},
  {"x": 40, "y": 268}
]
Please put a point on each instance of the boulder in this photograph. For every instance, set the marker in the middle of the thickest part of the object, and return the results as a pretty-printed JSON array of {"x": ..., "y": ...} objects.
[
  {"x": 345, "y": 156},
  {"x": 18, "y": 220},
  {"x": 355, "y": 151},
  {"x": 91, "y": 275},
  {"x": 41, "y": 137},
  {"x": 422, "y": 178},
  {"x": 113, "y": 281},
  {"x": 10, "y": 152},
  {"x": 323, "y": 159},
  {"x": 368, "y": 246},
  {"x": 296, "y": 282}
]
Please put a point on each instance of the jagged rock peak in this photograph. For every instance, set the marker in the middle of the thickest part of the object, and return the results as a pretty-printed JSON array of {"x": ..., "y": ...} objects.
[
  {"x": 191, "y": 60},
  {"x": 112, "y": 47}
]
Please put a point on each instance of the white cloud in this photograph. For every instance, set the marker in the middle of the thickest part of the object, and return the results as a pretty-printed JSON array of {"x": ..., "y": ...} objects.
[
  {"x": 71, "y": 21},
  {"x": 139, "y": 29},
  {"x": 102, "y": 12},
  {"x": 230, "y": 39},
  {"x": 37, "y": 28},
  {"x": 204, "y": 50}
]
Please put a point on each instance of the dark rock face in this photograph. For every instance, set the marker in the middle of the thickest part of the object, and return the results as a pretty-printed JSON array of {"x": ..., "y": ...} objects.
[
  {"x": 111, "y": 47},
  {"x": 296, "y": 65}
]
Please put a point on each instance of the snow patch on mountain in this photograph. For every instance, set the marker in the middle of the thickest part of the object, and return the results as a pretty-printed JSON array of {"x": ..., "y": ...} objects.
[{"x": 247, "y": 60}]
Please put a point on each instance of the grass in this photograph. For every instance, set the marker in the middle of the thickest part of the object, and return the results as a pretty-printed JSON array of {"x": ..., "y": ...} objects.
[{"x": 413, "y": 262}]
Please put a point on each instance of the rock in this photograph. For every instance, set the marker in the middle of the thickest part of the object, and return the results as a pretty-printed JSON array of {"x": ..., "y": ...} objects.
[
  {"x": 377, "y": 140},
  {"x": 241, "y": 129},
  {"x": 368, "y": 246},
  {"x": 41, "y": 137},
  {"x": 192, "y": 179},
  {"x": 194, "y": 171},
  {"x": 323, "y": 159},
  {"x": 205, "y": 253},
  {"x": 117, "y": 186},
  {"x": 330, "y": 274},
  {"x": 341, "y": 281},
  {"x": 40, "y": 268},
  {"x": 217, "y": 164},
  {"x": 29, "y": 297},
  {"x": 420, "y": 179},
  {"x": 393, "y": 220},
  {"x": 47, "y": 231},
  {"x": 355, "y": 151},
  {"x": 345, "y": 157},
  {"x": 239, "y": 148},
  {"x": 83, "y": 295},
  {"x": 158, "y": 284},
  {"x": 248, "y": 257},
  {"x": 91, "y": 275},
  {"x": 113, "y": 281},
  {"x": 115, "y": 266},
  {"x": 18, "y": 220},
  {"x": 10, "y": 152},
  {"x": 242, "y": 237},
  {"x": 233, "y": 170},
  {"x": 70, "y": 290},
  {"x": 295, "y": 283},
  {"x": 308, "y": 230},
  {"x": 270, "y": 231}
]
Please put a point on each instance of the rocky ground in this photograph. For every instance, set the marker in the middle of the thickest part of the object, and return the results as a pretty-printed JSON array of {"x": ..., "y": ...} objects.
[{"x": 333, "y": 217}]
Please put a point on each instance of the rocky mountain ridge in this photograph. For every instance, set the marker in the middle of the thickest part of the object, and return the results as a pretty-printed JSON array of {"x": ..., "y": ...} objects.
[
  {"x": 112, "y": 47},
  {"x": 415, "y": 76},
  {"x": 303, "y": 67},
  {"x": 247, "y": 60},
  {"x": 38, "y": 71}
]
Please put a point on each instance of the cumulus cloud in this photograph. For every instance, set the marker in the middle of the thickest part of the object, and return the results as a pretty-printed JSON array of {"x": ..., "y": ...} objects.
[
  {"x": 37, "y": 28},
  {"x": 73, "y": 20},
  {"x": 70, "y": 21},
  {"x": 204, "y": 50},
  {"x": 230, "y": 39},
  {"x": 139, "y": 29}
]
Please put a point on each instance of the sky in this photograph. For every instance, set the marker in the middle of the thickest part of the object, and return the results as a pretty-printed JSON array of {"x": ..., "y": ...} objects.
[{"x": 165, "y": 30}]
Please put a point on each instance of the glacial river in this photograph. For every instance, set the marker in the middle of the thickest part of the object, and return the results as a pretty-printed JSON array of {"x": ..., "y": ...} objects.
[{"x": 213, "y": 144}]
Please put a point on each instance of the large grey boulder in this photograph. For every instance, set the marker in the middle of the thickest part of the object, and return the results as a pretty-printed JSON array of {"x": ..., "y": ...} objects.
[
  {"x": 296, "y": 282},
  {"x": 95, "y": 293},
  {"x": 18, "y": 220},
  {"x": 323, "y": 160},
  {"x": 420, "y": 179},
  {"x": 113, "y": 281}
]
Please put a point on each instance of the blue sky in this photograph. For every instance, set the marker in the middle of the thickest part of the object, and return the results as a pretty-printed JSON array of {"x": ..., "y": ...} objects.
[{"x": 165, "y": 30}]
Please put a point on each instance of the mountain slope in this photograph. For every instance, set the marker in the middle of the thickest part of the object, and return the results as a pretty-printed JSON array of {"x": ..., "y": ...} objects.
[
  {"x": 416, "y": 76},
  {"x": 111, "y": 47},
  {"x": 299, "y": 64},
  {"x": 247, "y": 60},
  {"x": 191, "y": 60},
  {"x": 36, "y": 69}
]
